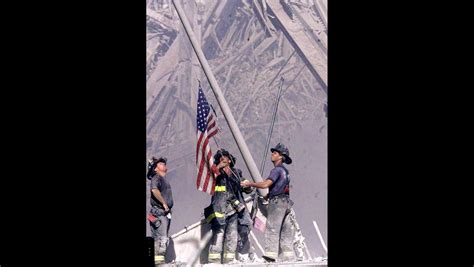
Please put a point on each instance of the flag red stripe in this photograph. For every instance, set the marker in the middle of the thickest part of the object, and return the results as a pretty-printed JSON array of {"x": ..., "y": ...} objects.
[
  {"x": 204, "y": 165},
  {"x": 203, "y": 155},
  {"x": 201, "y": 162},
  {"x": 198, "y": 146},
  {"x": 212, "y": 134},
  {"x": 206, "y": 181},
  {"x": 211, "y": 125}
]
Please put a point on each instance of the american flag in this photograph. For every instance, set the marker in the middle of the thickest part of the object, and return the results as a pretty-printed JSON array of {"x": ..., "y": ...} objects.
[{"x": 206, "y": 129}]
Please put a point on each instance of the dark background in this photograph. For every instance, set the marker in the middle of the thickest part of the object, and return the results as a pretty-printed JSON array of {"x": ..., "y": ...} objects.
[{"x": 73, "y": 135}]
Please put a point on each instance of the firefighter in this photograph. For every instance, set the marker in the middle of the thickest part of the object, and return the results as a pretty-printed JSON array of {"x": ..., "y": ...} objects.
[
  {"x": 161, "y": 201},
  {"x": 279, "y": 229},
  {"x": 227, "y": 206}
]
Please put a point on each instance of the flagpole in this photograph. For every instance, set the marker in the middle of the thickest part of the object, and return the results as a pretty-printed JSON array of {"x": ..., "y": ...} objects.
[{"x": 239, "y": 139}]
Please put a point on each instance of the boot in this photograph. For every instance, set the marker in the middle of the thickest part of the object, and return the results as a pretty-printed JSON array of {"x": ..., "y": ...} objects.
[{"x": 243, "y": 257}]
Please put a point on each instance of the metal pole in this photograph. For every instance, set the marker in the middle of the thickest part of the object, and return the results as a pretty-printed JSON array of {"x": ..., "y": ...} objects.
[
  {"x": 257, "y": 243},
  {"x": 270, "y": 130},
  {"x": 239, "y": 139},
  {"x": 195, "y": 256},
  {"x": 320, "y": 236}
]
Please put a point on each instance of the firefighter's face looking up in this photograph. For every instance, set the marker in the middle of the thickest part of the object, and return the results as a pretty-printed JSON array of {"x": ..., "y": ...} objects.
[
  {"x": 161, "y": 166},
  {"x": 225, "y": 160},
  {"x": 276, "y": 156}
]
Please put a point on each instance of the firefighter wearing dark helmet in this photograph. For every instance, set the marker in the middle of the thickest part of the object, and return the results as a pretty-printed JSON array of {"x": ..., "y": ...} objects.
[
  {"x": 161, "y": 202},
  {"x": 227, "y": 209},
  {"x": 278, "y": 230}
]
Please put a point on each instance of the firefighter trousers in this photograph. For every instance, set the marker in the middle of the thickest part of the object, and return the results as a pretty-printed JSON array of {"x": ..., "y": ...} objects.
[
  {"x": 224, "y": 241},
  {"x": 279, "y": 230},
  {"x": 159, "y": 232}
]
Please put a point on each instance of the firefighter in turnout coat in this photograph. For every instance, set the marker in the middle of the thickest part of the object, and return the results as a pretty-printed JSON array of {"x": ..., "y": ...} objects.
[{"x": 227, "y": 206}]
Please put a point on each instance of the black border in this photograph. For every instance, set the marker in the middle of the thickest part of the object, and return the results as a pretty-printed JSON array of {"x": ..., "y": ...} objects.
[
  {"x": 74, "y": 120},
  {"x": 398, "y": 129},
  {"x": 74, "y": 141}
]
